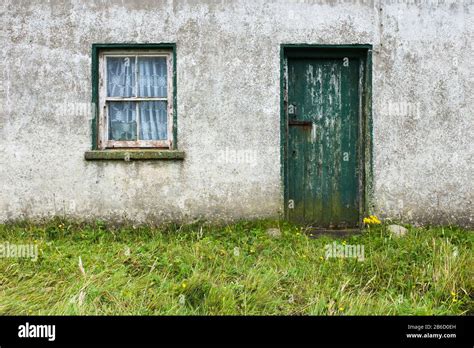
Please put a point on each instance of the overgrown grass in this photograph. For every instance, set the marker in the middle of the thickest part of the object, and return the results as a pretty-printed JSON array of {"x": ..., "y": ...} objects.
[{"x": 236, "y": 269}]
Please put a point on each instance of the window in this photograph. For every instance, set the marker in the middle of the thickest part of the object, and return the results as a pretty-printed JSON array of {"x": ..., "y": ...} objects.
[{"x": 136, "y": 102}]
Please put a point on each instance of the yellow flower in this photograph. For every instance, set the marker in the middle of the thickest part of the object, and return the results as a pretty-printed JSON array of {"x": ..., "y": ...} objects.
[
  {"x": 454, "y": 296},
  {"x": 183, "y": 285},
  {"x": 321, "y": 258},
  {"x": 372, "y": 220},
  {"x": 341, "y": 308}
]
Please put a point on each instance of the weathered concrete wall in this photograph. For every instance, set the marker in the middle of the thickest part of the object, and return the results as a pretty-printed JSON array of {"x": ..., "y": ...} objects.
[{"x": 228, "y": 96}]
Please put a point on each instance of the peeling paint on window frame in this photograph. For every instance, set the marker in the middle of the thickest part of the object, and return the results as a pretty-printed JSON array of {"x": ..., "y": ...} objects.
[
  {"x": 104, "y": 141},
  {"x": 98, "y": 50}
]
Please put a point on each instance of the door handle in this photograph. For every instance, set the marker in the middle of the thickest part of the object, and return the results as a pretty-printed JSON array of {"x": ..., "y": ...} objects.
[{"x": 300, "y": 123}]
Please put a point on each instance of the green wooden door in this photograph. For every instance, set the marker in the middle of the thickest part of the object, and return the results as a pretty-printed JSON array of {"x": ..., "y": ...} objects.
[{"x": 323, "y": 116}]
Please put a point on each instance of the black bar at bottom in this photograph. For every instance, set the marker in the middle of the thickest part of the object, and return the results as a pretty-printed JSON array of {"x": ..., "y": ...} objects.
[{"x": 414, "y": 330}]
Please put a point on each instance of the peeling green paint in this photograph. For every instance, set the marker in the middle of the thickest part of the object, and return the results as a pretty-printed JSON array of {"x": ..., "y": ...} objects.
[{"x": 329, "y": 191}]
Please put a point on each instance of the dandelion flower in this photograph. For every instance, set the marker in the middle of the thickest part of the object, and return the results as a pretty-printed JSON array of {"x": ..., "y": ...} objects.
[{"x": 372, "y": 220}]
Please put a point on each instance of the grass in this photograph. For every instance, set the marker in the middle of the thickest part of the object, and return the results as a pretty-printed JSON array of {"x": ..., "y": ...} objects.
[{"x": 237, "y": 269}]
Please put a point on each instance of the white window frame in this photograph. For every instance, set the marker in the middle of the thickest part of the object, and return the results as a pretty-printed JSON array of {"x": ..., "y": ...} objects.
[{"x": 104, "y": 141}]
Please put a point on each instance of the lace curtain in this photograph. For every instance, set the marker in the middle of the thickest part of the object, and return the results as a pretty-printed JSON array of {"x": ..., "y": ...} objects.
[{"x": 144, "y": 77}]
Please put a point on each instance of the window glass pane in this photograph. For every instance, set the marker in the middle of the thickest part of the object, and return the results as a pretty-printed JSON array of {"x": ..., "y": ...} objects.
[
  {"x": 122, "y": 121},
  {"x": 153, "y": 120},
  {"x": 121, "y": 76},
  {"x": 152, "y": 77}
]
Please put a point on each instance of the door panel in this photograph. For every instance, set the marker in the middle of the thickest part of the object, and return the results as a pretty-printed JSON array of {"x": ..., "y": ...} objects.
[{"x": 323, "y": 118}]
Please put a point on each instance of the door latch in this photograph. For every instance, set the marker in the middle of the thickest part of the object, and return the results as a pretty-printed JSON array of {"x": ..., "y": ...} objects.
[{"x": 300, "y": 123}]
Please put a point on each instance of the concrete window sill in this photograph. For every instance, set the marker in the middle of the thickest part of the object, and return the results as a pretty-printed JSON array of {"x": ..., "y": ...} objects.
[{"x": 133, "y": 155}]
